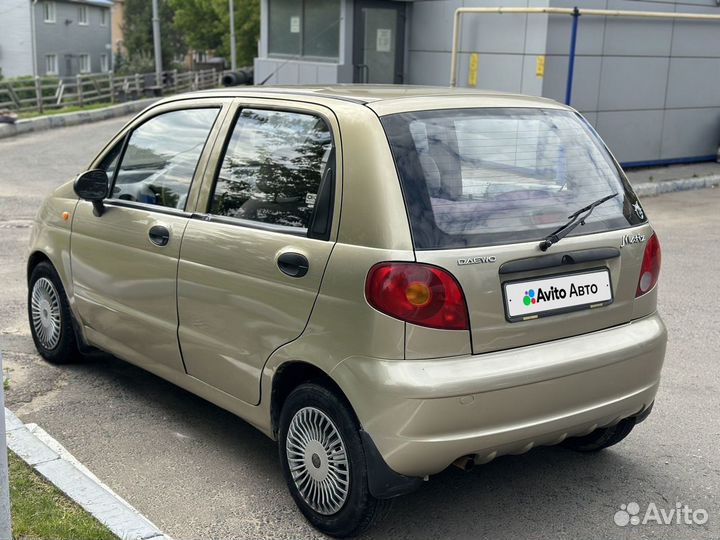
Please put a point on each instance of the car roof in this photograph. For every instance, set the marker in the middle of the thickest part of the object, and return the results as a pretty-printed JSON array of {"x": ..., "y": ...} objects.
[{"x": 392, "y": 98}]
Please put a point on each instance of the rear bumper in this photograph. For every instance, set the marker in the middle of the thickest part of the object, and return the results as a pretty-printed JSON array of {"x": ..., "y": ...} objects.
[{"x": 424, "y": 414}]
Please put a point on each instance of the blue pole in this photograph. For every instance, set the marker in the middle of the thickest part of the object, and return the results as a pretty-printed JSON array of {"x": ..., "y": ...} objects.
[{"x": 571, "y": 57}]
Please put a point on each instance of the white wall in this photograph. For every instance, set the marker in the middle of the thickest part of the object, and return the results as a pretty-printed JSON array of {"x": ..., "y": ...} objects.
[{"x": 15, "y": 38}]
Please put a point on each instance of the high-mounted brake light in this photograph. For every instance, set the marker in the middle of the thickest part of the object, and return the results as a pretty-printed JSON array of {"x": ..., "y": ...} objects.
[
  {"x": 650, "y": 269},
  {"x": 417, "y": 293}
]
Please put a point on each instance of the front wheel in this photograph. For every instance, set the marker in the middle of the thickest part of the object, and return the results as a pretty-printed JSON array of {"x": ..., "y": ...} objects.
[
  {"x": 324, "y": 463},
  {"x": 50, "y": 317}
]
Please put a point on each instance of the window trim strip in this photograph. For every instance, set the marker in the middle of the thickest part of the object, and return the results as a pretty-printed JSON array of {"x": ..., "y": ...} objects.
[
  {"x": 247, "y": 223},
  {"x": 135, "y": 205}
]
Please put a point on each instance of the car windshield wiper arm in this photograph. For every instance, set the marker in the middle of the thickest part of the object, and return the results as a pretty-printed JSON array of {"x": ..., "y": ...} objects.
[{"x": 575, "y": 219}]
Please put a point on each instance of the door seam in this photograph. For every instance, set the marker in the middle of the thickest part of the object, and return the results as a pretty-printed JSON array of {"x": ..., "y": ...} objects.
[{"x": 177, "y": 297}]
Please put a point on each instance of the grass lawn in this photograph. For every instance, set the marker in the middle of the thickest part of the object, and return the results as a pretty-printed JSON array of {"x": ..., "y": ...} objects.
[
  {"x": 71, "y": 108},
  {"x": 41, "y": 511}
]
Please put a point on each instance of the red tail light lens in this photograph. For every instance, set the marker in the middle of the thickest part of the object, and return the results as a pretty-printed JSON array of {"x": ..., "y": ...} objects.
[
  {"x": 417, "y": 293},
  {"x": 650, "y": 269}
]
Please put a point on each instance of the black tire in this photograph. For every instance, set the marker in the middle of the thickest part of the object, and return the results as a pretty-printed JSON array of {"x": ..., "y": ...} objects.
[
  {"x": 65, "y": 349},
  {"x": 601, "y": 438},
  {"x": 360, "y": 509}
]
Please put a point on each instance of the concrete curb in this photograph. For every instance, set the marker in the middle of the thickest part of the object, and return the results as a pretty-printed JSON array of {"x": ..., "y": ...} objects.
[
  {"x": 73, "y": 118},
  {"x": 48, "y": 457},
  {"x": 651, "y": 189}
]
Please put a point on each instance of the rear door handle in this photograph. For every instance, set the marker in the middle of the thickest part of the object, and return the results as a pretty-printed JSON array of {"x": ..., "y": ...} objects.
[
  {"x": 159, "y": 235},
  {"x": 293, "y": 264}
]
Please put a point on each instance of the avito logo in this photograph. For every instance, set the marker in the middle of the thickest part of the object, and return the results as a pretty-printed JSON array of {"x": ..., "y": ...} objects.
[
  {"x": 555, "y": 293},
  {"x": 529, "y": 297}
]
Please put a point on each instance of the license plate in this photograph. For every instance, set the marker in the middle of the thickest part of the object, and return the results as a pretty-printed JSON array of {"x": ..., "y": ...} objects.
[{"x": 541, "y": 297}]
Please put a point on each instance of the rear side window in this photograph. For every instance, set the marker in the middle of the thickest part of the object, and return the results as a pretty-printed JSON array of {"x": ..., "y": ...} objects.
[
  {"x": 161, "y": 156},
  {"x": 477, "y": 177},
  {"x": 273, "y": 168}
]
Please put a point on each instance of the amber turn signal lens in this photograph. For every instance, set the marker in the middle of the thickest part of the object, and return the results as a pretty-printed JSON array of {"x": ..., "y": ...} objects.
[
  {"x": 418, "y": 294},
  {"x": 66, "y": 215}
]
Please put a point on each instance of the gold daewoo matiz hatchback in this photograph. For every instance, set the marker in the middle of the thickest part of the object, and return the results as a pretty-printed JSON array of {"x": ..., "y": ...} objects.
[{"x": 387, "y": 280}]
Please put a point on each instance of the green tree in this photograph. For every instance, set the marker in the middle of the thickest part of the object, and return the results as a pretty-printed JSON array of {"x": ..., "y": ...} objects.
[
  {"x": 137, "y": 26},
  {"x": 205, "y": 24}
]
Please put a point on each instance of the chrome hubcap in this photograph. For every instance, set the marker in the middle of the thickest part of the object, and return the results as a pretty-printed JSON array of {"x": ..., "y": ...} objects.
[
  {"x": 318, "y": 461},
  {"x": 45, "y": 311}
]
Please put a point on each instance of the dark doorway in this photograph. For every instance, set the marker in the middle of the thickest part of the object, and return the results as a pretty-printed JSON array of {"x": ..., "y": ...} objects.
[
  {"x": 69, "y": 66},
  {"x": 378, "y": 41}
]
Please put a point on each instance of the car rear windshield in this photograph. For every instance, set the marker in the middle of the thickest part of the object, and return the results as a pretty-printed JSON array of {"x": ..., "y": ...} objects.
[{"x": 479, "y": 177}]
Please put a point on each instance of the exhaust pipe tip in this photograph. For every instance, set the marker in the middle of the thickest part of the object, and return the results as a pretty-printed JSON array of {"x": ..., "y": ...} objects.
[{"x": 465, "y": 463}]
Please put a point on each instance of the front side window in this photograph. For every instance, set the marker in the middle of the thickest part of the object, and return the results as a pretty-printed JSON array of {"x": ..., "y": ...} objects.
[
  {"x": 304, "y": 28},
  {"x": 49, "y": 11},
  {"x": 83, "y": 15},
  {"x": 161, "y": 157},
  {"x": 273, "y": 167},
  {"x": 476, "y": 177}
]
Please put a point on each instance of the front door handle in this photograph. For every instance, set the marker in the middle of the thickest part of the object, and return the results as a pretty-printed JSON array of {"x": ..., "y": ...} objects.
[
  {"x": 293, "y": 264},
  {"x": 159, "y": 235}
]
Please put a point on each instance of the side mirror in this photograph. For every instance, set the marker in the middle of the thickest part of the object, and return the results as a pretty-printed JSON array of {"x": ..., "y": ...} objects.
[{"x": 92, "y": 186}]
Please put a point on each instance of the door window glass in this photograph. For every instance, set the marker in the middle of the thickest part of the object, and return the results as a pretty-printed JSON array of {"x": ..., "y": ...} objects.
[
  {"x": 272, "y": 168},
  {"x": 161, "y": 156}
]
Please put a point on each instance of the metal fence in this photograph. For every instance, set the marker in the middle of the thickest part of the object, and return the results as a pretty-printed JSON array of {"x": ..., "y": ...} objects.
[{"x": 46, "y": 93}]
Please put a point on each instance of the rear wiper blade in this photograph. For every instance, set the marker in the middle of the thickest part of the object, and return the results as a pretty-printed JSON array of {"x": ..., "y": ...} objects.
[{"x": 574, "y": 219}]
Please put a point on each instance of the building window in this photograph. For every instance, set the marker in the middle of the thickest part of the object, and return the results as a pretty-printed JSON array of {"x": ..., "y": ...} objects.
[
  {"x": 84, "y": 63},
  {"x": 83, "y": 15},
  {"x": 103, "y": 16},
  {"x": 49, "y": 12},
  {"x": 304, "y": 28},
  {"x": 104, "y": 66},
  {"x": 51, "y": 66}
]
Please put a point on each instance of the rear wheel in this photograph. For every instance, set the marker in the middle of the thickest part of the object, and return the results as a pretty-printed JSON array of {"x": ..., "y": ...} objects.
[
  {"x": 324, "y": 464},
  {"x": 50, "y": 317},
  {"x": 601, "y": 438}
]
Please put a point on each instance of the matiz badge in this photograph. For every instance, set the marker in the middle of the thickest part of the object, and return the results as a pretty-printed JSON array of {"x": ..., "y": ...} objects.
[{"x": 632, "y": 239}]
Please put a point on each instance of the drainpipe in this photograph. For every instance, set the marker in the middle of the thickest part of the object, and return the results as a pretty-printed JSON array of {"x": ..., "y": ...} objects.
[
  {"x": 571, "y": 55},
  {"x": 33, "y": 45},
  {"x": 574, "y": 12}
]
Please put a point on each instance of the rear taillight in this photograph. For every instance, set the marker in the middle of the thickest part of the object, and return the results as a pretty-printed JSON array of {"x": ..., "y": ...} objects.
[
  {"x": 650, "y": 269},
  {"x": 417, "y": 293}
]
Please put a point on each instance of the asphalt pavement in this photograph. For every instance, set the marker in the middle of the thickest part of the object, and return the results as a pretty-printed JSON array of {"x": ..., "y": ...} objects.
[{"x": 199, "y": 472}]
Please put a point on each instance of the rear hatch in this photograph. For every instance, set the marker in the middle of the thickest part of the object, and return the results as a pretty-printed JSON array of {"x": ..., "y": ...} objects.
[{"x": 484, "y": 187}]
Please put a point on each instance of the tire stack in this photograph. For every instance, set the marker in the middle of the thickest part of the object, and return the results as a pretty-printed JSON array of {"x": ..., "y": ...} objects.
[{"x": 243, "y": 76}]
